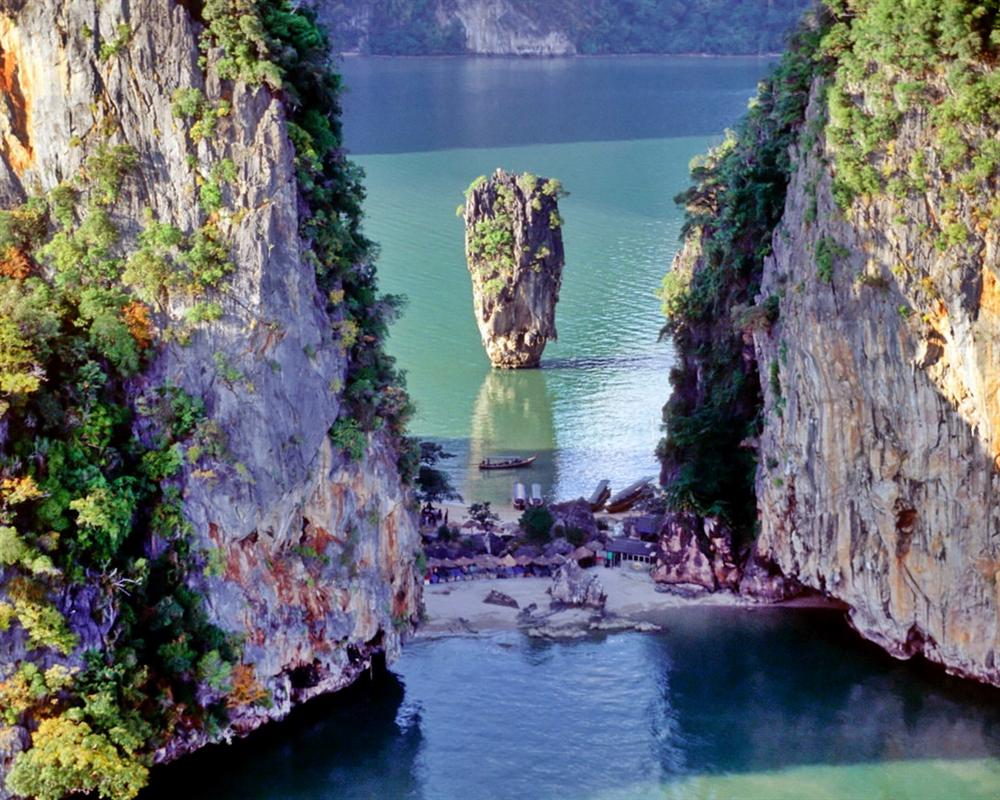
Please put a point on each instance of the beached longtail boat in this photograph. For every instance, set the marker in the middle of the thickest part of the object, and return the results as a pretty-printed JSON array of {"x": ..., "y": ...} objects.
[
  {"x": 520, "y": 496},
  {"x": 506, "y": 463},
  {"x": 628, "y": 496},
  {"x": 600, "y": 496}
]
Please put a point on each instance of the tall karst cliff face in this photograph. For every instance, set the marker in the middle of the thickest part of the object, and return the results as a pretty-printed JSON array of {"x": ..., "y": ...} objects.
[
  {"x": 199, "y": 480},
  {"x": 876, "y": 335}
]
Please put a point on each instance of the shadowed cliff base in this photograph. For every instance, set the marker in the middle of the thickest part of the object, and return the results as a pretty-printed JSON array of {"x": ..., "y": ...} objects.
[{"x": 358, "y": 723}]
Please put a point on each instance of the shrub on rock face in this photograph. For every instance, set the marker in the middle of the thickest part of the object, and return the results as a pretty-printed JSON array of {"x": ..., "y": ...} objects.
[
  {"x": 536, "y": 522},
  {"x": 69, "y": 756}
]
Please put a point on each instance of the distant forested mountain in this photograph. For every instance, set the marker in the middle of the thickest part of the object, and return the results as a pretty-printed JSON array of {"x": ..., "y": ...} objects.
[{"x": 559, "y": 27}]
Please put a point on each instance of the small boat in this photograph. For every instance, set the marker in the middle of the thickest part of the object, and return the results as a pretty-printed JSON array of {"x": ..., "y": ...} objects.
[
  {"x": 628, "y": 496},
  {"x": 536, "y": 495},
  {"x": 506, "y": 463},
  {"x": 520, "y": 496},
  {"x": 600, "y": 496}
]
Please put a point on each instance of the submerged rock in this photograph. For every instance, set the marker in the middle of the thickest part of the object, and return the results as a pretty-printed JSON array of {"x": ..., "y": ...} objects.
[
  {"x": 571, "y": 586},
  {"x": 514, "y": 249}
]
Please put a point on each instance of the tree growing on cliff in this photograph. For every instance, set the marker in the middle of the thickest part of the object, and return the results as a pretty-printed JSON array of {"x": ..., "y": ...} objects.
[{"x": 434, "y": 485}]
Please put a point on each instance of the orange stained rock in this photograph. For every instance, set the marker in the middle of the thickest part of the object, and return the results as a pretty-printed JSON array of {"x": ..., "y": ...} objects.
[
  {"x": 137, "y": 321},
  {"x": 15, "y": 86},
  {"x": 989, "y": 296},
  {"x": 989, "y": 319}
]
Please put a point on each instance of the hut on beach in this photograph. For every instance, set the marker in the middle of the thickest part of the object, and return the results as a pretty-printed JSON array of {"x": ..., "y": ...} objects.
[{"x": 618, "y": 550}]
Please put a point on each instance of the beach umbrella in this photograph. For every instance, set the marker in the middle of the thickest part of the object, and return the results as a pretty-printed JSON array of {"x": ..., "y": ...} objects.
[
  {"x": 581, "y": 553},
  {"x": 508, "y": 561}
]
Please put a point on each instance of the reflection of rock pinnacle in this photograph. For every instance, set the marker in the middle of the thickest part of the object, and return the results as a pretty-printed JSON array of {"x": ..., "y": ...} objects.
[{"x": 513, "y": 245}]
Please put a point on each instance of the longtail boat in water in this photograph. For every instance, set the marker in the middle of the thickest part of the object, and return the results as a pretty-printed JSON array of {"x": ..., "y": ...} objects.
[{"x": 506, "y": 463}]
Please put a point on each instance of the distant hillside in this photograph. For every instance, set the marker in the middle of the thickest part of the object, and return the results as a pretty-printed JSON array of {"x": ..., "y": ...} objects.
[{"x": 559, "y": 27}]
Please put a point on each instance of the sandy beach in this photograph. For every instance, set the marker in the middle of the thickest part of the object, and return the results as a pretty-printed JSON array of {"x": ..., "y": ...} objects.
[{"x": 457, "y": 609}]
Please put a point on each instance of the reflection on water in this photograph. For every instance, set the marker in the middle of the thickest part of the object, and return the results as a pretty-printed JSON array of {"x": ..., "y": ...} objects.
[
  {"x": 512, "y": 416},
  {"x": 618, "y": 133},
  {"x": 606, "y": 378},
  {"x": 439, "y": 103},
  {"x": 725, "y": 703},
  {"x": 360, "y": 744}
]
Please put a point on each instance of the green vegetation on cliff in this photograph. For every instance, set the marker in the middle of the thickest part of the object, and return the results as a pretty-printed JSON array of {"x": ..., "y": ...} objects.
[
  {"x": 428, "y": 27},
  {"x": 732, "y": 209},
  {"x": 92, "y": 447},
  {"x": 936, "y": 57},
  {"x": 908, "y": 104}
]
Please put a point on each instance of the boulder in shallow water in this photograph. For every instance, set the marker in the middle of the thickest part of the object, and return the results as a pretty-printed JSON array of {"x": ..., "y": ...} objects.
[
  {"x": 763, "y": 580},
  {"x": 572, "y": 586},
  {"x": 500, "y": 599}
]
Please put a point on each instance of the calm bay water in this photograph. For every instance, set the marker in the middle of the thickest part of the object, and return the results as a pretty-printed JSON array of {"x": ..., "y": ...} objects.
[
  {"x": 725, "y": 704},
  {"x": 762, "y": 705},
  {"x": 619, "y": 133}
]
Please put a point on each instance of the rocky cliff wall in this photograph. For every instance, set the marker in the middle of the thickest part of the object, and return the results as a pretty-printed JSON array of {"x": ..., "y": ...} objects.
[
  {"x": 307, "y": 551},
  {"x": 499, "y": 27},
  {"x": 878, "y": 478},
  {"x": 870, "y": 299}
]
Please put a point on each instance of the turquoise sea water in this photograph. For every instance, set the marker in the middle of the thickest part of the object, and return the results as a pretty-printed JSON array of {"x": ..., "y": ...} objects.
[
  {"x": 619, "y": 133},
  {"x": 724, "y": 704}
]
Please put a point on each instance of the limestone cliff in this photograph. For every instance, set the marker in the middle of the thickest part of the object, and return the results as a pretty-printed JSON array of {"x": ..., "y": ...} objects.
[
  {"x": 138, "y": 131},
  {"x": 879, "y": 475},
  {"x": 499, "y": 27},
  {"x": 875, "y": 331},
  {"x": 514, "y": 249}
]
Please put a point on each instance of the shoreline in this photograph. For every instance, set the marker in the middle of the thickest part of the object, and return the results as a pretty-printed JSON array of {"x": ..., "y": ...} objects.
[{"x": 633, "y": 604}]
